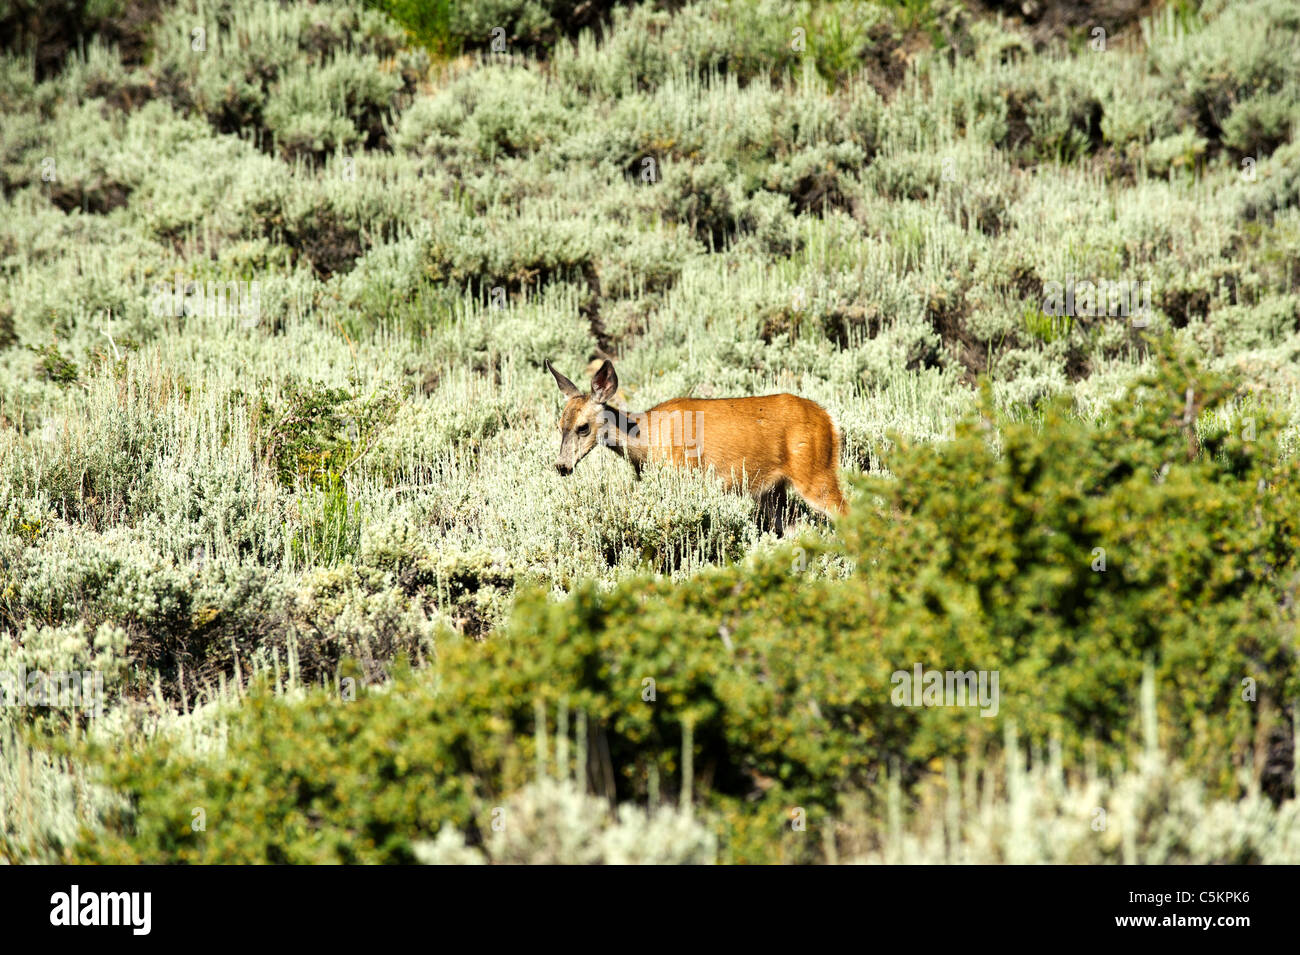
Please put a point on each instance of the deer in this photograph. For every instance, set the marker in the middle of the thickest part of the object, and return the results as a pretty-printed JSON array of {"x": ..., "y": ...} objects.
[{"x": 764, "y": 445}]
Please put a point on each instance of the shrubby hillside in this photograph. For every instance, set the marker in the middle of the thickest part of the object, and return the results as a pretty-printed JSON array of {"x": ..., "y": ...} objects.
[{"x": 276, "y": 285}]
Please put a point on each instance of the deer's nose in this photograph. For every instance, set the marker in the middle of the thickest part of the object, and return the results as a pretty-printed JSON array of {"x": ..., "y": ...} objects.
[{"x": 563, "y": 468}]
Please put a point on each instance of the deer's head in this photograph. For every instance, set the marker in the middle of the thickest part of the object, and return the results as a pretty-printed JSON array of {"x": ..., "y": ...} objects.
[{"x": 584, "y": 421}]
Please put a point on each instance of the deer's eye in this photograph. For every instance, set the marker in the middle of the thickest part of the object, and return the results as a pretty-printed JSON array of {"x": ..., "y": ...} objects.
[{"x": 583, "y": 428}]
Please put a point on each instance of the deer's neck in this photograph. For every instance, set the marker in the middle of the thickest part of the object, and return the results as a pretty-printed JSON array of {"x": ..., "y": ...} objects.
[{"x": 622, "y": 435}]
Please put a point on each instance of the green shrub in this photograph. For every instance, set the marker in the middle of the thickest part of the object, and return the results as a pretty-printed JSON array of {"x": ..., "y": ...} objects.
[
  {"x": 54, "y": 365},
  {"x": 526, "y": 25},
  {"x": 1261, "y": 124},
  {"x": 315, "y": 433}
]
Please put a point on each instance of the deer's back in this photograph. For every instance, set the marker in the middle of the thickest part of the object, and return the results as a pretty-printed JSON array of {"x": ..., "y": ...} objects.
[{"x": 765, "y": 438}]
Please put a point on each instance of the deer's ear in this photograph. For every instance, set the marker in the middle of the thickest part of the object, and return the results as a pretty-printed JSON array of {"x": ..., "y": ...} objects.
[
  {"x": 604, "y": 383},
  {"x": 567, "y": 388}
]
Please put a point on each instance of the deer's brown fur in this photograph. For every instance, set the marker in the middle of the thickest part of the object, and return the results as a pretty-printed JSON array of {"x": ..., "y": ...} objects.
[{"x": 762, "y": 444}]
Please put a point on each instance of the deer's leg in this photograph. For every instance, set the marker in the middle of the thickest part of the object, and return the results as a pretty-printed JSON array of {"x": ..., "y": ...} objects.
[
  {"x": 780, "y": 505},
  {"x": 773, "y": 508}
]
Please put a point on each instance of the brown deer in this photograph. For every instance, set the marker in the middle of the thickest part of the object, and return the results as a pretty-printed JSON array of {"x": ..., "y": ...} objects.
[{"x": 765, "y": 445}]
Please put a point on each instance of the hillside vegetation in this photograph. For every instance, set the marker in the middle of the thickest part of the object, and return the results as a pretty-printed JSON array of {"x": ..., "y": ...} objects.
[{"x": 276, "y": 285}]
